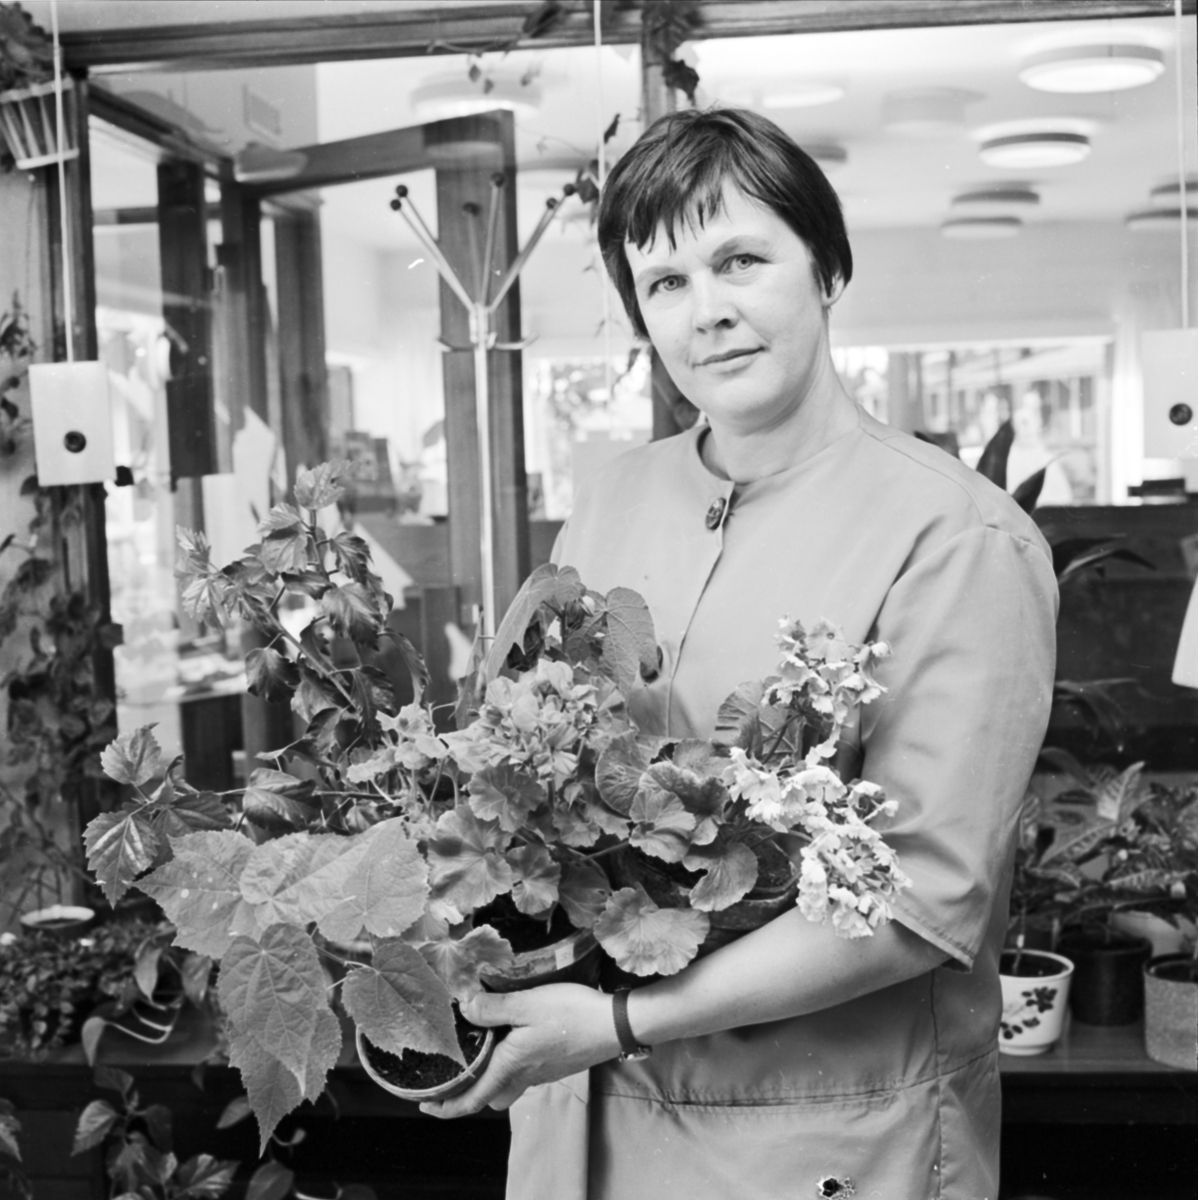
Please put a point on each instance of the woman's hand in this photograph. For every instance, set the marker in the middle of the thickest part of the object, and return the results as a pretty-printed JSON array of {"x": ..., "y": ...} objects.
[{"x": 556, "y": 1030}]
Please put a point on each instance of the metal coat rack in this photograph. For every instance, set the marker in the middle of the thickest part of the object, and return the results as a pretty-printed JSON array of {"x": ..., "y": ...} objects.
[{"x": 481, "y": 309}]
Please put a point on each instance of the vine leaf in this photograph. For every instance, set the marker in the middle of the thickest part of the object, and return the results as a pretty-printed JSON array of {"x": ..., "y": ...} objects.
[
  {"x": 400, "y": 1004},
  {"x": 134, "y": 758},
  {"x": 548, "y": 584},
  {"x": 188, "y": 812},
  {"x": 731, "y": 872},
  {"x": 94, "y": 1124},
  {"x": 320, "y": 486},
  {"x": 386, "y": 885},
  {"x": 277, "y": 801},
  {"x": 536, "y": 878},
  {"x": 583, "y": 892},
  {"x": 647, "y": 940},
  {"x": 200, "y": 889},
  {"x": 298, "y": 878},
  {"x": 270, "y": 675},
  {"x": 467, "y": 862},
  {"x": 461, "y": 962},
  {"x": 120, "y": 846}
]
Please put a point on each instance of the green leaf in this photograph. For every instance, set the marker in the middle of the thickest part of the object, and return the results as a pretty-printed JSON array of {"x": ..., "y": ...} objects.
[
  {"x": 647, "y": 940},
  {"x": 285, "y": 552},
  {"x": 272, "y": 993},
  {"x": 205, "y": 1176},
  {"x": 297, "y": 879},
  {"x": 94, "y": 1124},
  {"x": 271, "y": 1181},
  {"x": 195, "y": 554},
  {"x": 630, "y": 648},
  {"x": 663, "y": 826},
  {"x": 196, "y": 974},
  {"x": 461, "y": 962},
  {"x": 400, "y": 1004},
  {"x": 352, "y": 555},
  {"x": 188, "y": 812},
  {"x": 120, "y": 846},
  {"x": 745, "y": 722},
  {"x": 505, "y": 794},
  {"x": 548, "y": 584},
  {"x": 319, "y": 487},
  {"x": 1119, "y": 797},
  {"x": 619, "y": 770},
  {"x": 10, "y": 1126},
  {"x": 1074, "y": 843},
  {"x": 386, "y": 886},
  {"x": 133, "y": 758},
  {"x": 536, "y": 877},
  {"x": 234, "y": 1112},
  {"x": 277, "y": 801},
  {"x": 731, "y": 872},
  {"x": 270, "y": 675},
  {"x": 583, "y": 892},
  {"x": 466, "y": 858},
  {"x": 200, "y": 889},
  {"x": 282, "y": 519},
  {"x": 351, "y": 612},
  {"x": 204, "y": 598}
]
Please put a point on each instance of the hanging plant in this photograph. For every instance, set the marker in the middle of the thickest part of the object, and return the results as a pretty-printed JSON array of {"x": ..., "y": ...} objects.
[{"x": 667, "y": 24}]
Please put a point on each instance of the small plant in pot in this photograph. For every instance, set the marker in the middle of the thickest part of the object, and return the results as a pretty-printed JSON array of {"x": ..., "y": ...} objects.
[{"x": 1035, "y": 996}]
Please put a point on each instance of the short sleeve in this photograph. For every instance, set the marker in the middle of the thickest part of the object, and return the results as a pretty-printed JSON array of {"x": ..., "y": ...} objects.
[{"x": 972, "y": 632}]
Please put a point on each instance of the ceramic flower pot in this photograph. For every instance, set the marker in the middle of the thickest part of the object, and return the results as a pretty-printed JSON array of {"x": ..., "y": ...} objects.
[
  {"x": 416, "y": 1076},
  {"x": 1035, "y": 997},
  {"x": 1171, "y": 1010},
  {"x": 1108, "y": 981},
  {"x": 572, "y": 959}
]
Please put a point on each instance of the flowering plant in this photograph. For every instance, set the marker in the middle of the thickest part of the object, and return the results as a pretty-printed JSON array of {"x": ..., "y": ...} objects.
[{"x": 376, "y": 825}]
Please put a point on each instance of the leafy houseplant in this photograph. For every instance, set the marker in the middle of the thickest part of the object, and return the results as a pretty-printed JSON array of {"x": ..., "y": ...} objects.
[{"x": 426, "y": 846}]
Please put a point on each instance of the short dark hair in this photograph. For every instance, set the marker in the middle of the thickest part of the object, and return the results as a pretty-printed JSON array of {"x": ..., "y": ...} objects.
[{"x": 676, "y": 172}]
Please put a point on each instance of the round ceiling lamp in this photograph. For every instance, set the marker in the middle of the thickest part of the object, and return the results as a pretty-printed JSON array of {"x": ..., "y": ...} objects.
[
  {"x": 980, "y": 228},
  {"x": 457, "y": 96},
  {"x": 1162, "y": 220},
  {"x": 1000, "y": 196},
  {"x": 807, "y": 93},
  {"x": 1168, "y": 195},
  {"x": 1097, "y": 68},
  {"x": 1029, "y": 151}
]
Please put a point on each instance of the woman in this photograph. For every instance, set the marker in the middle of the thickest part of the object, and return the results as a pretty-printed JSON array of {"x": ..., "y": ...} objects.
[{"x": 792, "y": 1063}]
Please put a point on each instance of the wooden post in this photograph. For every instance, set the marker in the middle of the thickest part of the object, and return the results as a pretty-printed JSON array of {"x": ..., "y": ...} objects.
[{"x": 472, "y": 149}]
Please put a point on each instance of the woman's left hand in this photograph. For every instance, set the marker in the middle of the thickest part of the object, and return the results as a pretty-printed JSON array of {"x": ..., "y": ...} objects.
[{"x": 556, "y": 1030}]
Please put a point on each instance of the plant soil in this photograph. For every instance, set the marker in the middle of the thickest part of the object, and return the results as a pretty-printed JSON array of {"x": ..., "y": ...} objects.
[
  {"x": 1027, "y": 965},
  {"x": 417, "y": 1071},
  {"x": 522, "y": 931}
]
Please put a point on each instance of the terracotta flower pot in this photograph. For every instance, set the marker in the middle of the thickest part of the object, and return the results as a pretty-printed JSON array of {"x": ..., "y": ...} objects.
[
  {"x": 1035, "y": 995},
  {"x": 416, "y": 1076},
  {"x": 1108, "y": 982},
  {"x": 1171, "y": 1010}
]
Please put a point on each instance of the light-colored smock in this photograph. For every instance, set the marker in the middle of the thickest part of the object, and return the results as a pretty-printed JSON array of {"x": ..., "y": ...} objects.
[{"x": 891, "y": 539}]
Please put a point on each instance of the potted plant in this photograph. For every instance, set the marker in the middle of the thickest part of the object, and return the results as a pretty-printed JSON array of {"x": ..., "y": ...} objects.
[
  {"x": 418, "y": 850},
  {"x": 27, "y": 100},
  {"x": 1035, "y": 997}
]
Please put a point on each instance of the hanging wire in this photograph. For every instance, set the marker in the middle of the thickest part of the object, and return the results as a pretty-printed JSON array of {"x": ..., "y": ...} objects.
[
  {"x": 1181, "y": 167},
  {"x": 68, "y": 298},
  {"x": 604, "y": 282}
]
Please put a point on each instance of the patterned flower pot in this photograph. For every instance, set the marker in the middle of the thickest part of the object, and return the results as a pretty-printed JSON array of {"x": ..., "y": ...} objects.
[
  {"x": 1108, "y": 981},
  {"x": 1171, "y": 1010},
  {"x": 1035, "y": 994}
]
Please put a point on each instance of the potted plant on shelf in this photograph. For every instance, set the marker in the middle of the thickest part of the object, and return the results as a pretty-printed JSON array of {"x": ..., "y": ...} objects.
[{"x": 404, "y": 857}]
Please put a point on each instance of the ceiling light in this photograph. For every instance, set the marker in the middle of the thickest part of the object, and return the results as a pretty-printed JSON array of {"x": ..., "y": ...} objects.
[
  {"x": 1168, "y": 195},
  {"x": 980, "y": 228},
  {"x": 1151, "y": 219},
  {"x": 1102, "y": 68},
  {"x": 806, "y": 94},
  {"x": 927, "y": 112},
  {"x": 1016, "y": 195},
  {"x": 1021, "y": 151},
  {"x": 458, "y": 96}
]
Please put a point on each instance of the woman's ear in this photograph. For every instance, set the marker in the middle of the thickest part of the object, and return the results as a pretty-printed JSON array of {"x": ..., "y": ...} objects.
[{"x": 834, "y": 292}]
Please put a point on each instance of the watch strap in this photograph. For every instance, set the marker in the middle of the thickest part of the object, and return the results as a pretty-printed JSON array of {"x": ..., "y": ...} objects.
[{"x": 630, "y": 1049}]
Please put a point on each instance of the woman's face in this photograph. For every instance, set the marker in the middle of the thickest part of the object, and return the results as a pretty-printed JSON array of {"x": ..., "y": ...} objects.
[{"x": 736, "y": 312}]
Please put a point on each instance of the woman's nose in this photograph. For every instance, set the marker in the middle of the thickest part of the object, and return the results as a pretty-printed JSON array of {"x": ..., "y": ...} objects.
[{"x": 713, "y": 306}]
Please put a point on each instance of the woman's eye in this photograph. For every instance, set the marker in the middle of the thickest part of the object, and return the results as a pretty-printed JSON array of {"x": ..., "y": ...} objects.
[
  {"x": 742, "y": 262},
  {"x": 670, "y": 283}
]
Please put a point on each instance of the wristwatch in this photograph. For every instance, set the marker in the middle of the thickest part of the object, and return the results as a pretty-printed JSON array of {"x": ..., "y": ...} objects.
[{"x": 630, "y": 1049}]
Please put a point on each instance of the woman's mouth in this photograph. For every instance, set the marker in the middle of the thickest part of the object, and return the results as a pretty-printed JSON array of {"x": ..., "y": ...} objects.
[{"x": 728, "y": 356}]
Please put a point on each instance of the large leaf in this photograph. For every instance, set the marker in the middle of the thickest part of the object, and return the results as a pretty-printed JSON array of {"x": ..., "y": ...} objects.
[
  {"x": 744, "y": 721},
  {"x": 134, "y": 758},
  {"x": 278, "y": 801},
  {"x": 273, "y": 993},
  {"x": 663, "y": 826},
  {"x": 536, "y": 877},
  {"x": 200, "y": 889},
  {"x": 94, "y": 1125},
  {"x": 619, "y": 769},
  {"x": 352, "y": 613},
  {"x": 400, "y": 1004},
  {"x": 270, "y": 675},
  {"x": 647, "y": 940},
  {"x": 630, "y": 648},
  {"x": 1075, "y": 843},
  {"x": 271, "y": 1181},
  {"x": 386, "y": 886},
  {"x": 505, "y": 794},
  {"x": 188, "y": 812},
  {"x": 1118, "y": 798},
  {"x": 321, "y": 486},
  {"x": 299, "y": 878},
  {"x": 583, "y": 892},
  {"x": 205, "y": 1176},
  {"x": 120, "y": 846},
  {"x": 731, "y": 872},
  {"x": 461, "y": 962},
  {"x": 548, "y": 584},
  {"x": 467, "y": 860}
]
